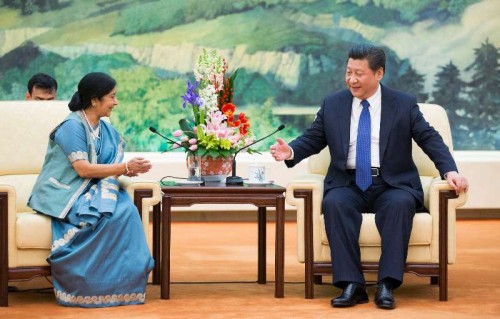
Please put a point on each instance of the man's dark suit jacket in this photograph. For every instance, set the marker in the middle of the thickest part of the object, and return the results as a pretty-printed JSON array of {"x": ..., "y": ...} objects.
[{"x": 401, "y": 121}]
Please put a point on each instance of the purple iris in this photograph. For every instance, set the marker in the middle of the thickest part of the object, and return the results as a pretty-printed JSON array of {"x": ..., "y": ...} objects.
[{"x": 191, "y": 96}]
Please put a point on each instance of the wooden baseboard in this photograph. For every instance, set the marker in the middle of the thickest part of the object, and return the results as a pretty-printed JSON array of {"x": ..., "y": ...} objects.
[
  {"x": 291, "y": 215},
  {"x": 483, "y": 213}
]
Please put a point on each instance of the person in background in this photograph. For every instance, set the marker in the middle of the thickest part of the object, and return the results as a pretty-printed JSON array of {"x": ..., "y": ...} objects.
[
  {"x": 368, "y": 129},
  {"x": 100, "y": 256},
  {"x": 41, "y": 87}
]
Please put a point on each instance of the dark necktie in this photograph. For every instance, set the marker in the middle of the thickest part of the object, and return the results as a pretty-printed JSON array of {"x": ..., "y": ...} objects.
[{"x": 363, "y": 145}]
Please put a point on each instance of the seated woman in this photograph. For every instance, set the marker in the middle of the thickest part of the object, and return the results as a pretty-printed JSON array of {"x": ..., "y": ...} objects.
[{"x": 100, "y": 255}]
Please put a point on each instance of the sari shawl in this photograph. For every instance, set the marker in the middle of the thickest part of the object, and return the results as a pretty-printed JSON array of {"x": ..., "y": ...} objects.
[{"x": 99, "y": 255}]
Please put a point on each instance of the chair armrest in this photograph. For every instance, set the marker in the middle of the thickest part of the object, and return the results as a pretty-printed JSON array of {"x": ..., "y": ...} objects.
[
  {"x": 144, "y": 193},
  {"x": 8, "y": 223},
  {"x": 312, "y": 182},
  {"x": 441, "y": 194}
]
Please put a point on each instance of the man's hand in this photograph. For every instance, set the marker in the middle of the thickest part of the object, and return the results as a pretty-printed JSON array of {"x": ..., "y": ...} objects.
[
  {"x": 280, "y": 151},
  {"x": 457, "y": 182}
]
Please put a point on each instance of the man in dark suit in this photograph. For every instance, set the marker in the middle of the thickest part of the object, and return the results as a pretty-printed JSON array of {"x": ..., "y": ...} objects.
[
  {"x": 41, "y": 87},
  {"x": 368, "y": 129}
]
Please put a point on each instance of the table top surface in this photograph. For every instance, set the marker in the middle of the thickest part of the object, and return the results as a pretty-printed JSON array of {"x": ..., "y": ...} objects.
[{"x": 172, "y": 186}]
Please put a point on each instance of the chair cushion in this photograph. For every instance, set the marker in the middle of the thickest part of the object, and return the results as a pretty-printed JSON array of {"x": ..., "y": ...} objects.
[
  {"x": 421, "y": 233},
  {"x": 33, "y": 231}
]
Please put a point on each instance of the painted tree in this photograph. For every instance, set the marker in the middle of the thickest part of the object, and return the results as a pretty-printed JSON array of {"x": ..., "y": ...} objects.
[
  {"x": 449, "y": 90},
  {"x": 484, "y": 109},
  {"x": 412, "y": 82},
  {"x": 29, "y": 7}
]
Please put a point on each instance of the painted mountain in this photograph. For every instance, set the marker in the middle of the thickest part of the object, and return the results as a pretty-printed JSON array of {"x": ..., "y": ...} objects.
[{"x": 290, "y": 55}]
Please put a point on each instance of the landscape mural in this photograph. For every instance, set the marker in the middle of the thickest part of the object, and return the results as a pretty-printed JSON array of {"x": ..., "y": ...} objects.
[{"x": 289, "y": 56}]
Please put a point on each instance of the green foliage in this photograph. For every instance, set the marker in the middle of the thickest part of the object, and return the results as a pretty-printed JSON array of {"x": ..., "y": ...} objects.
[
  {"x": 212, "y": 8},
  {"x": 13, "y": 80},
  {"x": 28, "y": 7},
  {"x": 449, "y": 86},
  {"x": 484, "y": 108},
  {"x": 264, "y": 122},
  {"x": 148, "y": 101},
  {"x": 70, "y": 72},
  {"x": 165, "y": 14},
  {"x": 321, "y": 74},
  {"x": 412, "y": 82},
  {"x": 363, "y": 11},
  {"x": 410, "y": 11},
  {"x": 456, "y": 7},
  {"x": 448, "y": 92},
  {"x": 150, "y": 17},
  {"x": 254, "y": 88}
]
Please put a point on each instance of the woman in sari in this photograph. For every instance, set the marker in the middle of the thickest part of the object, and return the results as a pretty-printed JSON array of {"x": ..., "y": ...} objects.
[{"x": 99, "y": 255}]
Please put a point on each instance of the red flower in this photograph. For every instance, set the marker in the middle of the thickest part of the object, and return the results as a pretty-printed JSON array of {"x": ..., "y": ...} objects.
[
  {"x": 243, "y": 118},
  {"x": 228, "y": 109},
  {"x": 244, "y": 126}
]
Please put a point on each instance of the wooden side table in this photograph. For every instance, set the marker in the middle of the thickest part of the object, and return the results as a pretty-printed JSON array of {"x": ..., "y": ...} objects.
[{"x": 215, "y": 193}]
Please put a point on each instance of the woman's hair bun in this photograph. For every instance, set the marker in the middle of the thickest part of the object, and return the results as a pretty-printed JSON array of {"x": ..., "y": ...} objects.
[{"x": 76, "y": 103}]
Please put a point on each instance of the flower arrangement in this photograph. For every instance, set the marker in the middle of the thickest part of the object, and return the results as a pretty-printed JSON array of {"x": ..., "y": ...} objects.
[{"x": 213, "y": 127}]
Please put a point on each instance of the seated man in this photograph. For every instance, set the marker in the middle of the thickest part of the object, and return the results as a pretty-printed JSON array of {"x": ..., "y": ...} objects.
[
  {"x": 368, "y": 129},
  {"x": 41, "y": 87}
]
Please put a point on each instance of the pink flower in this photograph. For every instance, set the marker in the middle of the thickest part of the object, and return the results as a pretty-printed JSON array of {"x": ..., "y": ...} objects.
[
  {"x": 184, "y": 139},
  {"x": 193, "y": 147},
  {"x": 249, "y": 141},
  {"x": 177, "y": 133},
  {"x": 193, "y": 141},
  {"x": 174, "y": 146}
]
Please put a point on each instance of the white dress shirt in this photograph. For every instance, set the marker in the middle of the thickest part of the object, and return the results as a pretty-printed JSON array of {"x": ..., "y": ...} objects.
[{"x": 375, "y": 110}]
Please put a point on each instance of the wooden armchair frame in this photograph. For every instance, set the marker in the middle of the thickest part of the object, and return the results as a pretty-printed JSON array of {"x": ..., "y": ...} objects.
[
  {"x": 28, "y": 273},
  {"x": 437, "y": 272}
]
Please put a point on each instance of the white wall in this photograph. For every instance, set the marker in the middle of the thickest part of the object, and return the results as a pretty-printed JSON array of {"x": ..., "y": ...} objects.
[{"x": 482, "y": 168}]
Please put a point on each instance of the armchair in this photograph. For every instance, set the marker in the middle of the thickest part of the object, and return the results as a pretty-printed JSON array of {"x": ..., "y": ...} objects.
[
  {"x": 25, "y": 236},
  {"x": 433, "y": 239}
]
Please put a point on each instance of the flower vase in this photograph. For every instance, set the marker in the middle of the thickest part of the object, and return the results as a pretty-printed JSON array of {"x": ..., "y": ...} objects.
[
  {"x": 194, "y": 170},
  {"x": 213, "y": 169}
]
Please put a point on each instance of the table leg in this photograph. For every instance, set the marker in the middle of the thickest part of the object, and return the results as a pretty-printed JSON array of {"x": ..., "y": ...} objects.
[
  {"x": 280, "y": 248},
  {"x": 262, "y": 246},
  {"x": 310, "y": 278},
  {"x": 165, "y": 249},
  {"x": 156, "y": 243}
]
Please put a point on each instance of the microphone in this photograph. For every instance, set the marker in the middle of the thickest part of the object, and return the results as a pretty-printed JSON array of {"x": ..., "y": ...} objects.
[
  {"x": 195, "y": 175},
  {"x": 236, "y": 180},
  {"x": 154, "y": 130}
]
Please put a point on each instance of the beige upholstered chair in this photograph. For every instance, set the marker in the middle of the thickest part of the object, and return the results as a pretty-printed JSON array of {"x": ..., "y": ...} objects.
[
  {"x": 432, "y": 243},
  {"x": 26, "y": 237}
]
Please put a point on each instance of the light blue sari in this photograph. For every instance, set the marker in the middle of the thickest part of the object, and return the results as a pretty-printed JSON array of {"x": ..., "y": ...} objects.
[{"x": 99, "y": 256}]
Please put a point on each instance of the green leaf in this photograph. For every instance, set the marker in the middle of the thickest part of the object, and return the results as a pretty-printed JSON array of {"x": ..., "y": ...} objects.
[{"x": 187, "y": 128}]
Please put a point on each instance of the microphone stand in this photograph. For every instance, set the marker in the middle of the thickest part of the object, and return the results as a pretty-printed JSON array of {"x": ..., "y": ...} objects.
[
  {"x": 196, "y": 176},
  {"x": 237, "y": 180}
]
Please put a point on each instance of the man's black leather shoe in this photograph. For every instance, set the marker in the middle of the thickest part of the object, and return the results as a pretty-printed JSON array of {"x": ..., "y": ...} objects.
[
  {"x": 383, "y": 297},
  {"x": 352, "y": 294}
]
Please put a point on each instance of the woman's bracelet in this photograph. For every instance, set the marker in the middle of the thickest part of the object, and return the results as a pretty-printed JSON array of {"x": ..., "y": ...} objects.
[{"x": 126, "y": 167}]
